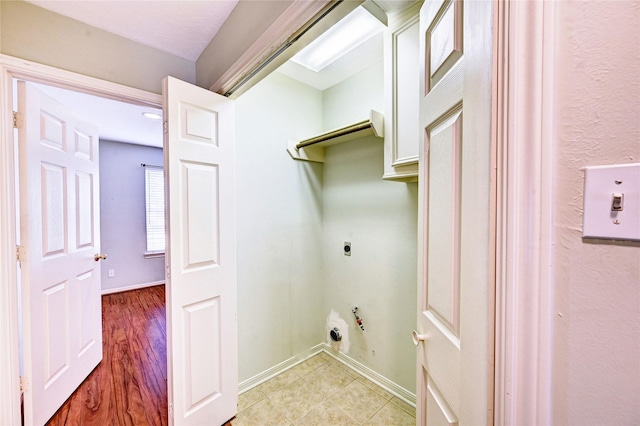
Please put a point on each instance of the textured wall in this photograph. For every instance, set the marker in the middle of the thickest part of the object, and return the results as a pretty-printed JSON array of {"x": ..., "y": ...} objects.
[
  {"x": 596, "y": 347},
  {"x": 122, "y": 215}
]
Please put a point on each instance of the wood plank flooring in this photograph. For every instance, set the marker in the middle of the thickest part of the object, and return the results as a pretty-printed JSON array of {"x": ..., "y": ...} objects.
[{"x": 129, "y": 386}]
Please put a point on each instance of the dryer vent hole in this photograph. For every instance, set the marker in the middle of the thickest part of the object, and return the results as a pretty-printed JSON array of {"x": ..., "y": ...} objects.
[{"x": 335, "y": 334}]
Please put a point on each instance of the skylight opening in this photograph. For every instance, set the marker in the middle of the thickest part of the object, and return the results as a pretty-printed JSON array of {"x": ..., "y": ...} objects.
[{"x": 349, "y": 33}]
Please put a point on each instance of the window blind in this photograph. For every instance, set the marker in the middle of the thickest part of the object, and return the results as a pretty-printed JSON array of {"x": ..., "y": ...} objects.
[{"x": 154, "y": 192}]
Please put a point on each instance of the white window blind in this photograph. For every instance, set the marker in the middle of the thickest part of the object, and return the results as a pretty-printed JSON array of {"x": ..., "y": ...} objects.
[{"x": 154, "y": 191}]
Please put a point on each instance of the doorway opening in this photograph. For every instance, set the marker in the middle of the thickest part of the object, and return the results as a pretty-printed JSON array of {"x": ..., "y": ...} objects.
[{"x": 67, "y": 185}]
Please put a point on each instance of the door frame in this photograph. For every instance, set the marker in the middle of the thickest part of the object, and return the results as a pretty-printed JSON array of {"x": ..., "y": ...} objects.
[
  {"x": 10, "y": 68},
  {"x": 523, "y": 125}
]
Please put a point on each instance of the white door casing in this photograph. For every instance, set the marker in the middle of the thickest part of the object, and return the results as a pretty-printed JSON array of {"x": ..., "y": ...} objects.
[
  {"x": 201, "y": 255},
  {"x": 457, "y": 214},
  {"x": 60, "y": 235}
]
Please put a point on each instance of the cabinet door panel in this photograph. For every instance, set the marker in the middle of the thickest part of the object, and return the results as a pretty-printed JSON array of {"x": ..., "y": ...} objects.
[{"x": 402, "y": 82}]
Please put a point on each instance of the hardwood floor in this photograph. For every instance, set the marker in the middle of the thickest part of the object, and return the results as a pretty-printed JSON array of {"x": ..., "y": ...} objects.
[{"x": 129, "y": 386}]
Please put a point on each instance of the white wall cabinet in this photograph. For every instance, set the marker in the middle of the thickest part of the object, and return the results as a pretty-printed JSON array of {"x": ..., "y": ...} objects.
[{"x": 401, "y": 74}]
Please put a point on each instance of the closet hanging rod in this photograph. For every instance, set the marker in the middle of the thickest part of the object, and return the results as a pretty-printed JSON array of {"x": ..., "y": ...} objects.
[
  {"x": 362, "y": 125},
  {"x": 312, "y": 149},
  {"x": 149, "y": 165}
]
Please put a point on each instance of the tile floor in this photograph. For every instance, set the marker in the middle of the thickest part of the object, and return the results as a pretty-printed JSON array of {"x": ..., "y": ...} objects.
[{"x": 321, "y": 391}]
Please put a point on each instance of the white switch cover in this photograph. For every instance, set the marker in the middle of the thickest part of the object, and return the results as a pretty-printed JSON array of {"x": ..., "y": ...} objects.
[{"x": 601, "y": 220}]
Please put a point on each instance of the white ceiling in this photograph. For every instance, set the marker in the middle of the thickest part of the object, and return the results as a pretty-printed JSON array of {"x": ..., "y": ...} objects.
[{"x": 183, "y": 28}]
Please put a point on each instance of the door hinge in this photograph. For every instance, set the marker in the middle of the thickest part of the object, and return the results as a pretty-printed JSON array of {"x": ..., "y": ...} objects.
[
  {"x": 21, "y": 255},
  {"x": 17, "y": 120},
  {"x": 23, "y": 384},
  {"x": 170, "y": 411},
  {"x": 165, "y": 127}
]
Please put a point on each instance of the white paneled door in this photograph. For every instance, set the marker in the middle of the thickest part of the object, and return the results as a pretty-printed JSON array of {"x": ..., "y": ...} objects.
[
  {"x": 60, "y": 238},
  {"x": 457, "y": 236},
  {"x": 201, "y": 255}
]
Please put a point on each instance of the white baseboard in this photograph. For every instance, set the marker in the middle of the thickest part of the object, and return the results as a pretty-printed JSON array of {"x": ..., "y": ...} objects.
[
  {"x": 378, "y": 379},
  {"x": 279, "y": 368},
  {"x": 130, "y": 287}
]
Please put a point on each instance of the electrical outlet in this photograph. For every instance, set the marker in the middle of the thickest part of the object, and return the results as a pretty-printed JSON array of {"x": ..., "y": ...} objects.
[
  {"x": 112, "y": 273},
  {"x": 347, "y": 248}
]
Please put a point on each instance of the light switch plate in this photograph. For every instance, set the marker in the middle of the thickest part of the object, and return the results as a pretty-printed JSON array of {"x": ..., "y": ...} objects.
[{"x": 600, "y": 185}]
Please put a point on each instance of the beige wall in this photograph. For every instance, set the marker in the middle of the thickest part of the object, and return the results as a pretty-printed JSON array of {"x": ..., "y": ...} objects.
[
  {"x": 32, "y": 33},
  {"x": 596, "y": 290}
]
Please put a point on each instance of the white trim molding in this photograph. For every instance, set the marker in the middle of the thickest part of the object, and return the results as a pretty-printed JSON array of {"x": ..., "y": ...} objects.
[
  {"x": 285, "y": 365},
  {"x": 9, "y": 356},
  {"x": 301, "y": 23},
  {"x": 386, "y": 384},
  {"x": 289, "y": 22},
  {"x": 10, "y": 68},
  {"x": 523, "y": 124},
  {"x": 131, "y": 287}
]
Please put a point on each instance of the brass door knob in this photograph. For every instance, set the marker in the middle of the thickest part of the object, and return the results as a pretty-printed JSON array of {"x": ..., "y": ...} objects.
[{"x": 98, "y": 257}]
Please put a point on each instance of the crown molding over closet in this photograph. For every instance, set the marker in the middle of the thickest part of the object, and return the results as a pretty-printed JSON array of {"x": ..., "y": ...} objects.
[{"x": 299, "y": 24}]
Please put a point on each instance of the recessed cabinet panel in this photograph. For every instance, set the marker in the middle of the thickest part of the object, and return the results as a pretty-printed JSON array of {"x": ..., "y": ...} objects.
[
  {"x": 402, "y": 92},
  {"x": 407, "y": 98}
]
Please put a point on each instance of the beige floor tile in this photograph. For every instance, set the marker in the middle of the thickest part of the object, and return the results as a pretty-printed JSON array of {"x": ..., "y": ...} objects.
[
  {"x": 329, "y": 379},
  {"x": 250, "y": 397},
  {"x": 334, "y": 363},
  {"x": 404, "y": 406},
  {"x": 262, "y": 413},
  {"x": 358, "y": 401},
  {"x": 309, "y": 365},
  {"x": 325, "y": 356},
  {"x": 321, "y": 391},
  {"x": 326, "y": 414},
  {"x": 278, "y": 382},
  {"x": 377, "y": 389},
  {"x": 391, "y": 414},
  {"x": 296, "y": 399}
]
